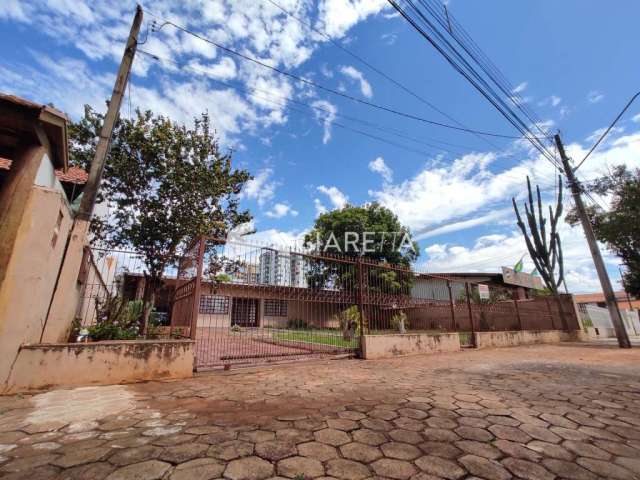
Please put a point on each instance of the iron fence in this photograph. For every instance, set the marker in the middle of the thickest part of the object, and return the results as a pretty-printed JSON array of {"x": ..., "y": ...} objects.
[{"x": 245, "y": 303}]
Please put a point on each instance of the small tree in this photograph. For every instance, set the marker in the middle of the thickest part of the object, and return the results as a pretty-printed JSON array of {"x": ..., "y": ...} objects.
[
  {"x": 618, "y": 227},
  {"x": 164, "y": 184}
]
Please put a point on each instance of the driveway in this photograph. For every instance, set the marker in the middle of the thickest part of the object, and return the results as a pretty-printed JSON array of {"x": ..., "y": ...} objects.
[{"x": 539, "y": 412}]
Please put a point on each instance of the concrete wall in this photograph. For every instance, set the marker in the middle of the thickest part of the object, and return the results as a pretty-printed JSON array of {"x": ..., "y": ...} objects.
[
  {"x": 525, "y": 337},
  {"x": 397, "y": 345},
  {"x": 45, "y": 366},
  {"x": 31, "y": 273}
]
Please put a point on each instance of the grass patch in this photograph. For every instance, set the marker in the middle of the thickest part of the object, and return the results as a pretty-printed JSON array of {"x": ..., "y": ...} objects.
[{"x": 321, "y": 337}]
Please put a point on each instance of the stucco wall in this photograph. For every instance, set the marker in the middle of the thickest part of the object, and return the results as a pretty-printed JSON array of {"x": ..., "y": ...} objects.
[
  {"x": 31, "y": 273},
  {"x": 525, "y": 337},
  {"x": 396, "y": 345},
  {"x": 46, "y": 366}
]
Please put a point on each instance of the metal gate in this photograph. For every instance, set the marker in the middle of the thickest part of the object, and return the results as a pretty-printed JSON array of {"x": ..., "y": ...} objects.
[{"x": 246, "y": 304}]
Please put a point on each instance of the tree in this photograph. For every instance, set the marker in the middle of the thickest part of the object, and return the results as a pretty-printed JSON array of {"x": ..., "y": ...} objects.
[
  {"x": 619, "y": 227},
  {"x": 165, "y": 184},
  {"x": 372, "y": 232}
]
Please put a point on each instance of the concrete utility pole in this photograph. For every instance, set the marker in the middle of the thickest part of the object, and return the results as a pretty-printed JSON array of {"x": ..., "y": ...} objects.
[
  {"x": 97, "y": 165},
  {"x": 609, "y": 296},
  {"x": 67, "y": 288}
]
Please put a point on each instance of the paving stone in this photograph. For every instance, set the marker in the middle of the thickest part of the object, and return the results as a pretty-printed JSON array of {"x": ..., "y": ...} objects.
[
  {"x": 316, "y": 450},
  {"x": 568, "y": 470},
  {"x": 159, "y": 431},
  {"x": 440, "y": 435},
  {"x": 558, "y": 420},
  {"x": 583, "y": 449},
  {"x": 631, "y": 464},
  {"x": 503, "y": 420},
  {"x": 360, "y": 452},
  {"x": 347, "y": 469},
  {"x": 382, "y": 414},
  {"x": 150, "y": 470},
  {"x": 90, "y": 471},
  {"x": 300, "y": 466},
  {"x": 408, "y": 424},
  {"x": 376, "y": 424},
  {"x": 350, "y": 415},
  {"x": 540, "y": 433},
  {"x": 405, "y": 436},
  {"x": 257, "y": 436},
  {"x": 616, "y": 448},
  {"x": 606, "y": 469},
  {"x": 412, "y": 413},
  {"x": 200, "y": 469},
  {"x": 440, "y": 467},
  {"x": 275, "y": 450},
  {"x": 342, "y": 424},
  {"x": 170, "y": 440},
  {"x": 485, "y": 468},
  {"x": 510, "y": 433},
  {"x": 128, "y": 456},
  {"x": 184, "y": 452},
  {"x": 249, "y": 468},
  {"x": 527, "y": 470},
  {"x": 630, "y": 433},
  {"x": 401, "y": 451},
  {"x": 550, "y": 450},
  {"x": 230, "y": 450},
  {"x": 482, "y": 449},
  {"x": 479, "y": 434},
  {"x": 391, "y": 468},
  {"x": 473, "y": 422},
  {"x": 28, "y": 463},
  {"x": 369, "y": 437},
  {"x": 439, "y": 422},
  {"x": 80, "y": 457},
  {"x": 440, "y": 449},
  {"x": 331, "y": 436},
  {"x": 569, "y": 433}
]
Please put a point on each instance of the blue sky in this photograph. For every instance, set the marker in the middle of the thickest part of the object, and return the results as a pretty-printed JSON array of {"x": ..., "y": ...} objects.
[{"x": 573, "y": 62}]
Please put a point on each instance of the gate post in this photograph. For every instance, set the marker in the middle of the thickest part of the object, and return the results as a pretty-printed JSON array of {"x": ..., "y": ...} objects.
[
  {"x": 453, "y": 315},
  {"x": 195, "y": 308},
  {"x": 515, "y": 303},
  {"x": 473, "y": 327},
  {"x": 360, "y": 268}
]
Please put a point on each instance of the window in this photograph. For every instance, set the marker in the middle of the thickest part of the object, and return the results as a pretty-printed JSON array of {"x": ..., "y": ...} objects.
[
  {"x": 275, "y": 308},
  {"x": 214, "y": 304}
]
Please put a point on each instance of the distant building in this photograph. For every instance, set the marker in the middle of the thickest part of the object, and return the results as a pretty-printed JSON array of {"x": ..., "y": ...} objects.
[{"x": 282, "y": 268}]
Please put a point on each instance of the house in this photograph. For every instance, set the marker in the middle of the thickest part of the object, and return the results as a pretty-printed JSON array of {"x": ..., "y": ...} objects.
[
  {"x": 625, "y": 301},
  {"x": 36, "y": 218}
]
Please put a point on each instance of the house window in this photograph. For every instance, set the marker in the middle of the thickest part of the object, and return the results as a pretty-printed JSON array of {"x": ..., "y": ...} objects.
[
  {"x": 214, "y": 304},
  {"x": 275, "y": 308}
]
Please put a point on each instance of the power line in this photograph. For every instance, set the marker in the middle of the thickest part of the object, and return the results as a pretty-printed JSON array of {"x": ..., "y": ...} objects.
[
  {"x": 388, "y": 130},
  {"x": 462, "y": 66},
  {"x": 375, "y": 69},
  {"x": 606, "y": 132},
  {"x": 330, "y": 90}
]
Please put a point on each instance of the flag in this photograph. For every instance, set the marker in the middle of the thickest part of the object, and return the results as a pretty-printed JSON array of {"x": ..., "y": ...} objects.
[{"x": 519, "y": 266}]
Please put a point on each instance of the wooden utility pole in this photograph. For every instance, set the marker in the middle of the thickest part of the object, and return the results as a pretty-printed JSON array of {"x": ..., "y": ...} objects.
[
  {"x": 63, "y": 302},
  {"x": 609, "y": 296}
]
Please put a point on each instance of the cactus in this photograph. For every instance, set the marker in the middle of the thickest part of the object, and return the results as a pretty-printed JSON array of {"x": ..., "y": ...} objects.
[{"x": 546, "y": 253}]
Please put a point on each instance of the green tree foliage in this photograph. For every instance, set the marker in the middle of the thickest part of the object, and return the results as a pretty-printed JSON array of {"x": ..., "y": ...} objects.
[
  {"x": 618, "y": 228},
  {"x": 380, "y": 237},
  {"x": 164, "y": 184}
]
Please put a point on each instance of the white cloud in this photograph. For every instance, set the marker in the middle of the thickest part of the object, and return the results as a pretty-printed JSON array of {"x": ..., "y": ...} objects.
[
  {"x": 336, "y": 17},
  {"x": 260, "y": 188},
  {"x": 552, "y": 100},
  {"x": 521, "y": 87},
  {"x": 280, "y": 210},
  {"x": 594, "y": 96},
  {"x": 357, "y": 75},
  {"x": 598, "y": 133},
  {"x": 320, "y": 208},
  {"x": 489, "y": 218},
  {"x": 225, "y": 69},
  {"x": 380, "y": 167},
  {"x": 325, "y": 112},
  {"x": 389, "y": 38},
  {"x": 636, "y": 118},
  {"x": 336, "y": 197}
]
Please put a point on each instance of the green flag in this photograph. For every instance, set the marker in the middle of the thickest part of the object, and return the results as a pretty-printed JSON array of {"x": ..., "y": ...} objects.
[{"x": 519, "y": 266}]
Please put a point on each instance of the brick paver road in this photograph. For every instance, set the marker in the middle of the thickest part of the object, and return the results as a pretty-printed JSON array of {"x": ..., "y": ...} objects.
[{"x": 536, "y": 412}]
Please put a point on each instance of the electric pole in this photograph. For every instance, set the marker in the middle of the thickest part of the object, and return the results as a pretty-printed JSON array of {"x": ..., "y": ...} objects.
[
  {"x": 66, "y": 290},
  {"x": 609, "y": 296},
  {"x": 97, "y": 165}
]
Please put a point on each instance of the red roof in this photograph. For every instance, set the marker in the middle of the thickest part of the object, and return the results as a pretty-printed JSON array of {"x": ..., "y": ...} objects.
[
  {"x": 74, "y": 175},
  {"x": 5, "y": 163}
]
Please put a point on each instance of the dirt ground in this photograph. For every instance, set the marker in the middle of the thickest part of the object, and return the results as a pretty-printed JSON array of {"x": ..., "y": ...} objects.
[{"x": 540, "y": 412}]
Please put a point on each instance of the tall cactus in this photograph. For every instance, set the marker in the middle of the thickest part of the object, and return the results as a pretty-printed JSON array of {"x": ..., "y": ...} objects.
[{"x": 545, "y": 253}]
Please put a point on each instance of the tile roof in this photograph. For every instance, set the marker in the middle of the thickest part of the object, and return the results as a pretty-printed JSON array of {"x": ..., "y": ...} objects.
[
  {"x": 74, "y": 175},
  {"x": 5, "y": 163}
]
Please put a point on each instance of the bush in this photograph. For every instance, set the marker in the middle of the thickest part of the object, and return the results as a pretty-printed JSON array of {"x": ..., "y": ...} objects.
[
  {"x": 400, "y": 322},
  {"x": 349, "y": 322},
  {"x": 116, "y": 319},
  {"x": 297, "y": 324}
]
